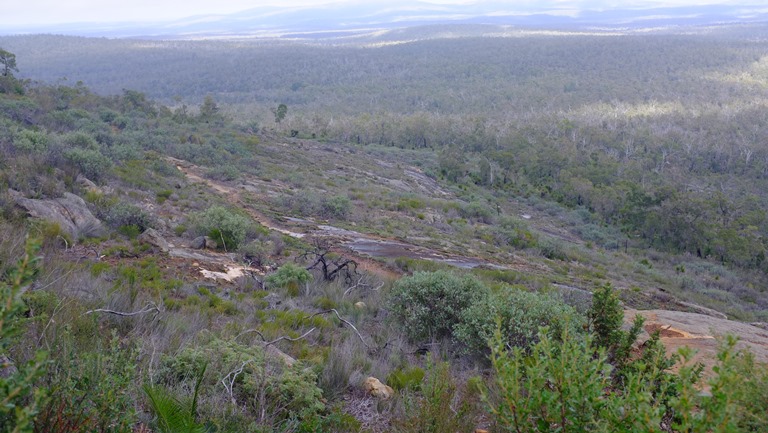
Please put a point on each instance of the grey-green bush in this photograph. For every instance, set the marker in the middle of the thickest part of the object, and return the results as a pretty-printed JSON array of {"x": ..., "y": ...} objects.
[
  {"x": 222, "y": 225},
  {"x": 521, "y": 315},
  {"x": 429, "y": 304}
]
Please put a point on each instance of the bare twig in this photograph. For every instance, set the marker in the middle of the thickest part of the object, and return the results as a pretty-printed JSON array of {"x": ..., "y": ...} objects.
[
  {"x": 346, "y": 322},
  {"x": 56, "y": 309},
  {"x": 148, "y": 308},
  {"x": 360, "y": 283},
  {"x": 302, "y": 336},
  {"x": 277, "y": 340},
  {"x": 229, "y": 380},
  {"x": 248, "y": 331}
]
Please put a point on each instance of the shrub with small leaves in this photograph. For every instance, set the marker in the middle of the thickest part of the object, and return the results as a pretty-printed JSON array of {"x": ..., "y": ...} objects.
[
  {"x": 90, "y": 162},
  {"x": 337, "y": 206},
  {"x": 225, "y": 226},
  {"x": 289, "y": 277},
  {"x": 429, "y": 304},
  {"x": 19, "y": 396},
  {"x": 521, "y": 314},
  {"x": 440, "y": 407}
]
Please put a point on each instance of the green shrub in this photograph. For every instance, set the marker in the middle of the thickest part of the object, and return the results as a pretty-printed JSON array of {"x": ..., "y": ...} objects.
[
  {"x": 337, "y": 207},
  {"x": 270, "y": 390},
  {"x": 223, "y": 225},
  {"x": 90, "y": 162},
  {"x": 440, "y": 408},
  {"x": 569, "y": 383},
  {"x": 33, "y": 142},
  {"x": 163, "y": 195},
  {"x": 20, "y": 397},
  {"x": 477, "y": 211},
  {"x": 513, "y": 232},
  {"x": 290, "y": 277},
  {"x": 117, "y": 214},
  {"x": 176, "y": 414},
  {"x": 552, "y": 249},
  {"x": 92, "y": 389},
  {"x": 429, "y": 304},
  {"x": 606, "y": 320},
  {"x": 409, "y": 378},
  {"x": 79, "y": 139},
  {"x": 256, "y": 252},
  {"x": 520, "y": 315},
  {"x": 225, "y": 172},
  {"x": 337, "y": 421}
]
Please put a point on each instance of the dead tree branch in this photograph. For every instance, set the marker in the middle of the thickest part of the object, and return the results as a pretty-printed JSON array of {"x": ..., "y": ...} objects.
[
  {"x": 151, "y": 307},
  {"x": 346, "y": 322},
  {"x": 229, "y": 380},
  {"x": 329, "y": 264},
  {"x": 277, "y": 340},
  {"x": 360, "y": 283}
]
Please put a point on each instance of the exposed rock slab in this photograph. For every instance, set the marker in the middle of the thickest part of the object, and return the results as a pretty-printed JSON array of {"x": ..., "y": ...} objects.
[
  {"x": 699, "y": 332},
  {"x": 69, "y": 211}
]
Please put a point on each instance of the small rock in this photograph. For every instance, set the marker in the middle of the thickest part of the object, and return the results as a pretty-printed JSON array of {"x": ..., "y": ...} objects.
[
  {"x": 360, "y": 305},
  {"x": 198, "y": 243},
  {"x": 377, "y": 389}
]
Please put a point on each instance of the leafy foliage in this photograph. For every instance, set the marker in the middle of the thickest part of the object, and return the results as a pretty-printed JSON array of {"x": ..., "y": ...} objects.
[
  {"x": 223, "y": 225},
  {"x": 91, "y": 391},
  {"x": 429, "y": 304},
  {"x": 433, "y": 411},
  {"x": 20, "y": 400},
  {"x": 520, "y": 313},
  {"x": 290, "y": 277},
  {"x": 174, "y": 414},
  {"x": 606, "y": 317}
]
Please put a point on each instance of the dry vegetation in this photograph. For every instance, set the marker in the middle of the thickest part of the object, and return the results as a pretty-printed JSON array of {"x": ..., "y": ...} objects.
[{"x": 250, "y": 277}]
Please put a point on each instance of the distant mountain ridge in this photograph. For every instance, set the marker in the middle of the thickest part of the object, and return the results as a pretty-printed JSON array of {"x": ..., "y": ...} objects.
[{"x": 332, "y": 21}]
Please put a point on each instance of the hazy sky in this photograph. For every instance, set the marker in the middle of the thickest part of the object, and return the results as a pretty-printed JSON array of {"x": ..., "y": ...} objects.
[{"x": 17, "y": 13}]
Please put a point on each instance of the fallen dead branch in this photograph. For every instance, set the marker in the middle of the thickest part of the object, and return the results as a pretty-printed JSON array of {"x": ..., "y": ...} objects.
[
  {"x": 346, "y": 322},
  {"x": 151, "y": 307}
]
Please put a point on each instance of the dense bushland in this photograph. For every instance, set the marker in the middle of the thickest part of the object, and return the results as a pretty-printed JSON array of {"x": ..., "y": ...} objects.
[{"x": 112, "y": 335}]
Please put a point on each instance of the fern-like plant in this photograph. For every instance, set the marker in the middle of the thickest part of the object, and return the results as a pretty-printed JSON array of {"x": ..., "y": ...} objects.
[{"x": 176, "y": 414}]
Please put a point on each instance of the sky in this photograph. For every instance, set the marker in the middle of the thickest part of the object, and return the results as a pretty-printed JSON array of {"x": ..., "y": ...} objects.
[{"x": 39, "y": 13}]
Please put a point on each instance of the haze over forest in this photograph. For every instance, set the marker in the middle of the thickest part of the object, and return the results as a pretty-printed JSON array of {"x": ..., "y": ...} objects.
[{"x": 445, "y": 216}]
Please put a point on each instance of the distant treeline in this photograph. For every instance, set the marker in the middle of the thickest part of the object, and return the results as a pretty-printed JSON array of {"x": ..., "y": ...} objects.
[{"x": 663, "y": 136}]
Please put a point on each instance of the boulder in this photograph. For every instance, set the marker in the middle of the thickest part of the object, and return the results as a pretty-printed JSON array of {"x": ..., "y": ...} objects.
[
  {"x": 375, "y": 388},
  {"x": 87, "y": 184},
  {"x": 152, "y": 237},
  {"x": 69, "y": 211},
  {"x": 210, "y": 244},
  {"x": 198, "y": 243}
]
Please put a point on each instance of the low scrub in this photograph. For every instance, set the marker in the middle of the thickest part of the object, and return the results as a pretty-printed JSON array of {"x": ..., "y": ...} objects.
[{"x": 429, "y": 304}]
